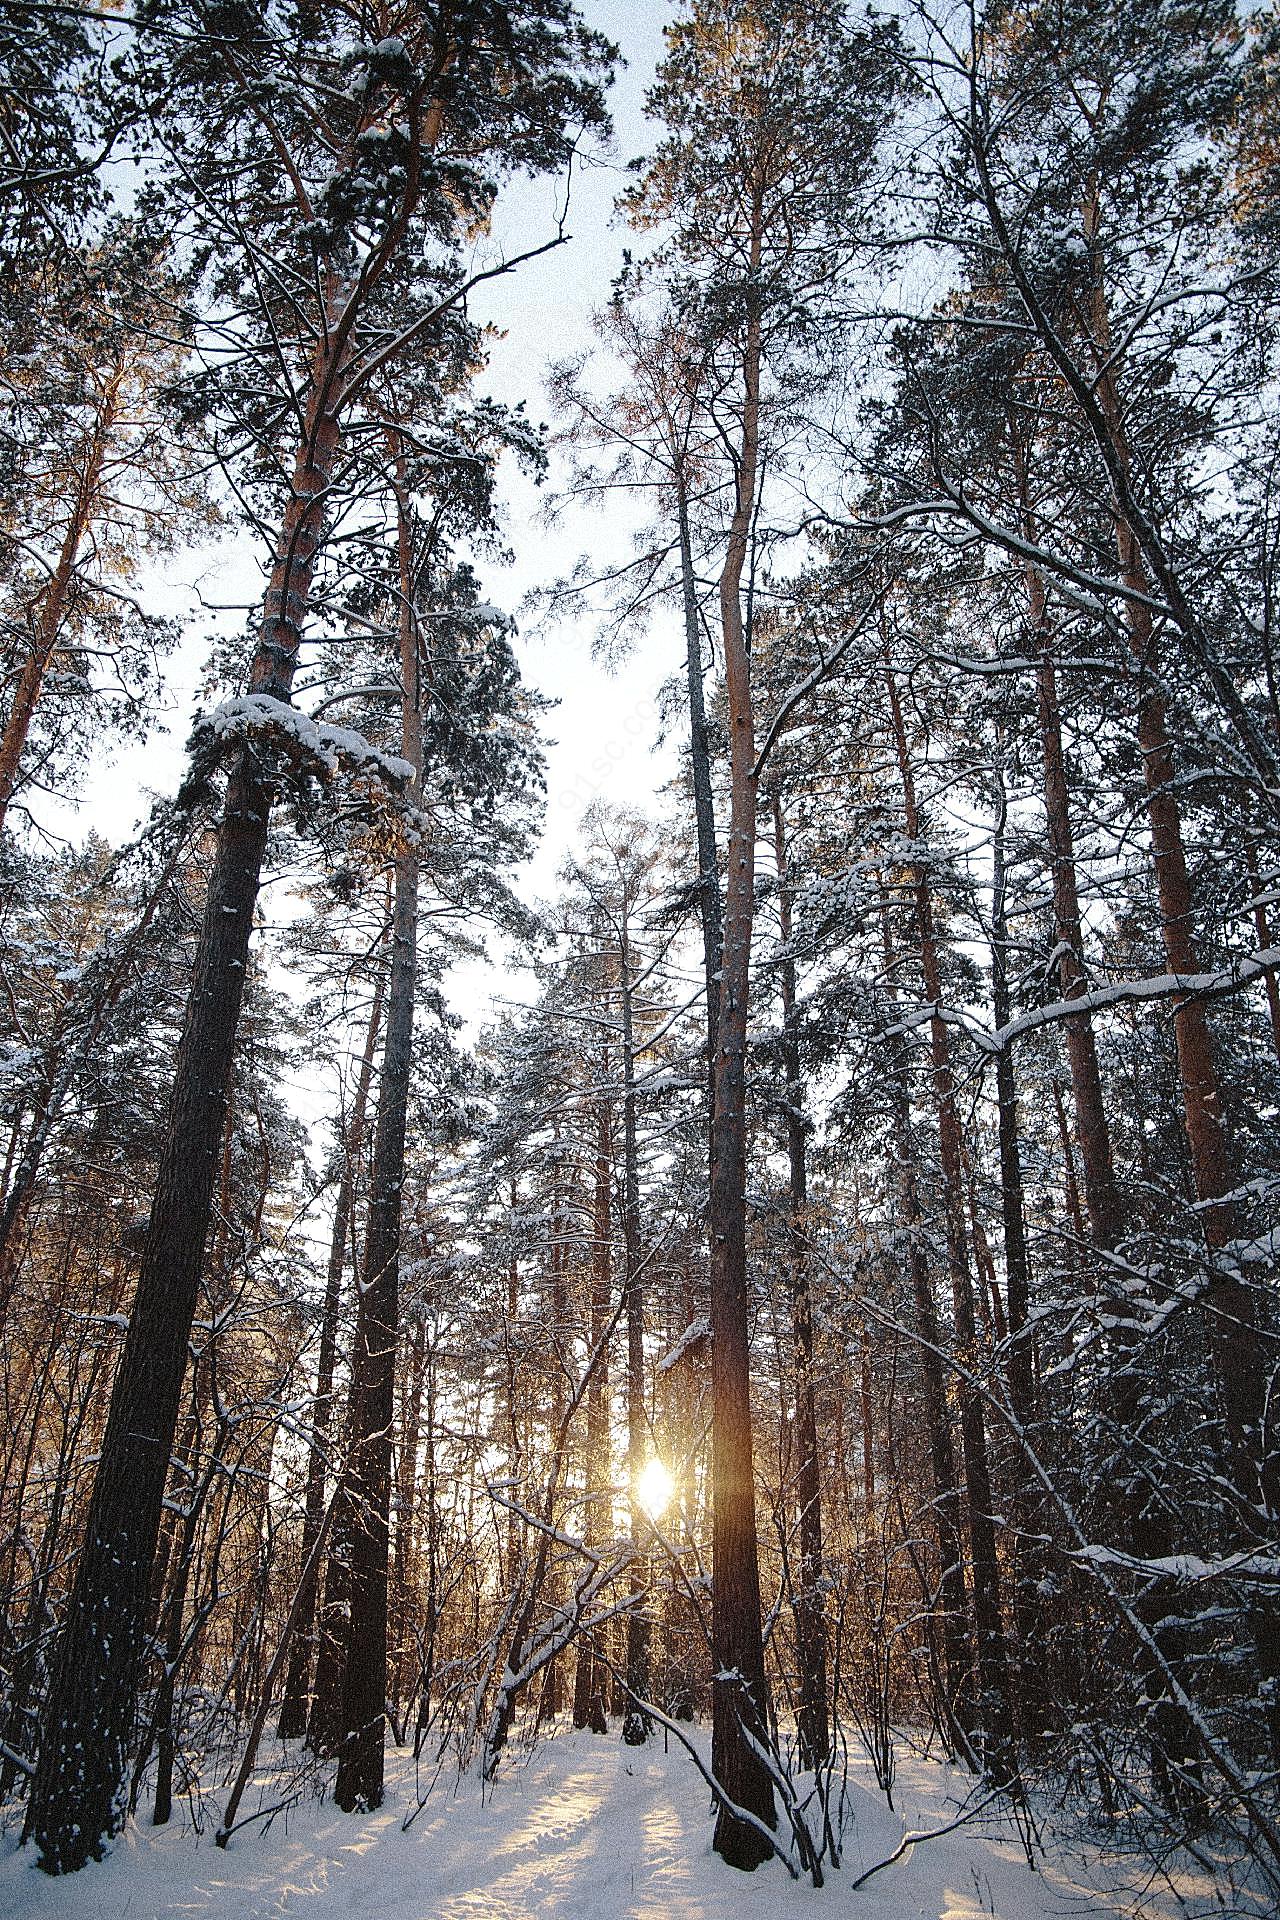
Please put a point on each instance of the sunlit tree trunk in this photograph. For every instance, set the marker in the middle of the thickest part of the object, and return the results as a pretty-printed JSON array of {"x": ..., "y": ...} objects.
[
  {"x": 553, "y": 1676},
  {"x": 405, "y": 1545}
]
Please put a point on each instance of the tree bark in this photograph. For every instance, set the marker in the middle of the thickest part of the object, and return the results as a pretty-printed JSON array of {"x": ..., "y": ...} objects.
[
  {"x": 703, "y": 803},
  {"x": 404, "y": 1552},
  {"x": 75, "y": 1801},
  {"x": 1102, "y": 1198},
  {"x": 294, "y": 1709},
  {"x": 994, "y": 1704},
  {"x": 1029, "y": 1566},
  {"x": 811, "y": 1631},
  {"x": 591, "y": 1678},
  {"x": 361, "y": 1757},
  {"x": 636, "y": 1724},
  {"x": 957, "y": 1716},
  {"x": 739, "y": 1705},
  {"x": 57, "y": 595},
  {"x": 1235, "y": 1346}
]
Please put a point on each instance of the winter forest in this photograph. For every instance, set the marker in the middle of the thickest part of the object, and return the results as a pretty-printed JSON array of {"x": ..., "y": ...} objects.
[{"x": 658, "y": 1354}]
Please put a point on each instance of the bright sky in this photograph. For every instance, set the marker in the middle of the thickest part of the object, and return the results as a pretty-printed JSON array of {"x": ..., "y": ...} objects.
[
  {"x": 602, "y": 732},
  {"x": 545, "y": 307},
  {"x": 604, "y": 727}
]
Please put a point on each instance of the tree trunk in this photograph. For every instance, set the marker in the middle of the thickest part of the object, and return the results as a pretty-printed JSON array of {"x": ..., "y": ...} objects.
[
  {"x": 1102, "y": 1197},
  {"x": 636, "y": 1724},
  {"x": 433, "y": 1607},
  {"x": 811, "y": 1632},
  {"x": 1234, "y": 1342},
  {"x": 739, "y": 1704},
  {"x": 591, "y": 1679},
  {"x": 360, "y": 1760},
  {"x": 703, "y": 804},
  {"x": 405, "y": 1545},
  {"x": 993, "y": 1707},
  {"x": 57, "y": 594},
  {"x": 75, "y": 1801},
  {"x": 1029, "y": 1564},
  {"x": 1016, "y": 1266},
  {"x": 294, "y": 1709},
  {"x": 957, "y": 1716},
  {"x": 515, "y": 1445}
]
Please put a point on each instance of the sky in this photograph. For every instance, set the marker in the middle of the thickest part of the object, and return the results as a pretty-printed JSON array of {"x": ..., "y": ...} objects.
[
  {"x": 606, "y": 720},
  {"x": 600, "y": 736}
]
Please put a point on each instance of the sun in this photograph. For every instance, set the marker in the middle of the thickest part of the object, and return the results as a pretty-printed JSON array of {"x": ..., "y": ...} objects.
[{"x": 654, "y": 1488}]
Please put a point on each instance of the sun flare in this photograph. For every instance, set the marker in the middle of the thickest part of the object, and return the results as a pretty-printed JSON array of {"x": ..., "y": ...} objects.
[{"x": 654, "y": 1488}]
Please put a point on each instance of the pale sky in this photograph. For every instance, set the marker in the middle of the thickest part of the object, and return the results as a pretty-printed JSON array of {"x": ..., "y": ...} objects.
[{"x": 606, "y": 720}]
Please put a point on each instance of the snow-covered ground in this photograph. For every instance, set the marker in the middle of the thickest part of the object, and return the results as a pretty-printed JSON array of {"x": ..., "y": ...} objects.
[{"x": 584, "y": 1829}]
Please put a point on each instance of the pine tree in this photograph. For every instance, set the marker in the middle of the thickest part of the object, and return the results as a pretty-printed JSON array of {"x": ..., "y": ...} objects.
[{"x": 770, "y": 132}]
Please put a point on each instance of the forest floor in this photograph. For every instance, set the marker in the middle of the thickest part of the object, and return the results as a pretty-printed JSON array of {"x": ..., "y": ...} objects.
[{"x": 586, "y": 1829}]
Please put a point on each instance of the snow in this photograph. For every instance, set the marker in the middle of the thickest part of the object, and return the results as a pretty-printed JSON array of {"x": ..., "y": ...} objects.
[
  {"x": 329, "y": 747},
  {"x": 583, "y": 1829},
  {"x": 699, "y": 1329}
]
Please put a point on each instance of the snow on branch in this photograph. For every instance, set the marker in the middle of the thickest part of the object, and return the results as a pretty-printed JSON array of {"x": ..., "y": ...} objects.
[
  {"x": 324, "y": 748},
  {"x": 1160, "y": 986},
  {"x": 1188, "y": 1567},
  {"x": 697, "y": 1331}
]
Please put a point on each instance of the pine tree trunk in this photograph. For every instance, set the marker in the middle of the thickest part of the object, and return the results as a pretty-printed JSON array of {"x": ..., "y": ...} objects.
[
  {"x": 75, "y": 1801},
  {"x": 591, "y": 1679},
  {"x": 636, "y": 1724},
  {"x": 811, "y": 1631},
  {"x": 703, "y": 804},
  {"x": 1235, "y": 1346},
  {"x": 957, "y": 1715},
  {"x": 427, "y": 1676},
  {"x": 1135, "y": 1517},
  {"x": 515, "y": 1445},
  {"x": 174, "y": 1610},
  {"x": 56, "y": 596},
  {"x": 1013, "y": 1219},
  {"x": 551, "y": 1698},
  {"x": 739, "y": 1705},
  {"x": 405, "y": 1545},
  {"x": 361, "y": 1757},
  {"x": 1070, "y": 1185},
  {"x": 1237, "y": 1351},
  {"x": 994, "y": 1704},
  {"x": 294, "y": 1709},
  {"x": 324, "y": 1715},
  {"x": 1101, "y": 1194},
  {"x": 1029, "y": 1564}
]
